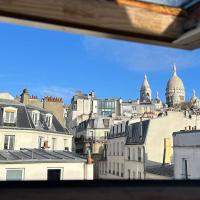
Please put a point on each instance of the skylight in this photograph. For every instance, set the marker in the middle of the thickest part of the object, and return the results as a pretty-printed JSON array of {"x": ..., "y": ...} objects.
[{"x": 174, "y": 3}]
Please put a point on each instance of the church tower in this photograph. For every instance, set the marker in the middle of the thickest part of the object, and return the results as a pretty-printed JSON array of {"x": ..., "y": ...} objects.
[
  {"x": 175, "y": 91},
  {"x": 145, "y": 91}
]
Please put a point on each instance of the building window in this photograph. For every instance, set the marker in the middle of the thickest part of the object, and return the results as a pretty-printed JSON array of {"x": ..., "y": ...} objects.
[
  {"x": 113, "y": 149},
  {"x": 48, "y": 120},
  {"x": 91, "y": 135},
  {"x": 91, "y": 123},
  {"x": 103, "y": 168},
  {"x": 106, "y": 134},
  {"x": 113, "y": 168},
  {"x": 129, "y": 153},
  {"x": 117, "y": 169},
  {"x": 9, "y": 116},
  {"x": 9, "y": 142},
  {"x": 36, "y": 117},
  {"x": 109, "y": 167},
  {"x": 133, "y": 154},
  {"x": 139, "y": 175},
  {"x": 129, "y": 174},
  {"x": 40, "y": 142},
  {"x": 139, "y": 154},
  {"x": 66, "y": 145},
  {"x": 99, "y": 168},
  {"x": 54, "y": 174},
  {"x": 74, "y": 107},
  {"x": 122, "y": 148},
  {"x": 53, "y": 143},
  {"x": 122, "y": 170},
  {"x": 185, "y": 168},
  {"x": 14, "y": 174},
  {"x": 106, "y": 123},
  {"x": 134, "y": 175},
  {"x": 118, "y": 148}
]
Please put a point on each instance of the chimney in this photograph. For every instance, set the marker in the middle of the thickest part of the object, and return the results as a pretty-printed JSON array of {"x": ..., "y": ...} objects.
[{"x": 25, "y": 97}]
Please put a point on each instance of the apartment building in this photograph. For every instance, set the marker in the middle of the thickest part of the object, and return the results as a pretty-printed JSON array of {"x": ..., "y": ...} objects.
[
  {"x": 143, "y": 149},
  {"x": 186, "y": 148}
]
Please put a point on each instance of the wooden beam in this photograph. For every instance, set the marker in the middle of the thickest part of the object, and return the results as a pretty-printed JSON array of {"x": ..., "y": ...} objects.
[
  {"x": 121, "y": 19},
  {"x": 191, "y": 37}
]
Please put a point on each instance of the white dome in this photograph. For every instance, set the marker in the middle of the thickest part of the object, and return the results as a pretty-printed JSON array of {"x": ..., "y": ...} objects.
[
  {"x": 175, "y": 82},
  {"x": 175, "y": 91}
]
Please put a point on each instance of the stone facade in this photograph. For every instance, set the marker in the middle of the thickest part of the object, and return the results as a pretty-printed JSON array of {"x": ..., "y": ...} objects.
[
  {"x": 187, "y": 153},
  {"x": 142, "y": 145}
]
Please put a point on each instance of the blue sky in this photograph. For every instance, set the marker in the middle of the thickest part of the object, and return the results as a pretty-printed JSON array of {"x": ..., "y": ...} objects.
[{"x": 57, "y": 63}]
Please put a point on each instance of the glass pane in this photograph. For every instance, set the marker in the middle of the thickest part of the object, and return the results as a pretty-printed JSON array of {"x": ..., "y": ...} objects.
[
  {"x": 36, "y": 119},
  {"x": 40, "y": 142},
  {"x": 14, "y": 175},
  {"x": 173, "y": 3},
  {"x": 12, "y": 117},
  {"x": 7, "y": 116},
  {"x": 12, "y": 142},
  {"x": 6, "y": 142}
]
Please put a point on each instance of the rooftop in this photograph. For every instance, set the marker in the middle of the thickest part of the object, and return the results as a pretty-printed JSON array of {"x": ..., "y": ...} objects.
[
  {"x": 186, "y": 132},
  {"x": 161, "y": 170},
  {"x": 24, "y": 119},
  {"x": 39, "y": 155}
]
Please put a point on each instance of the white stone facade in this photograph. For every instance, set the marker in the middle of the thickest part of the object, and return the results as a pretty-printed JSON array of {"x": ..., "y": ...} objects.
[
  {"x": 187, "y": 154},
  {"x": 36, "y": 171},
  {"x": 31, "y": 139},
  {"x": 133, "y": 157}
]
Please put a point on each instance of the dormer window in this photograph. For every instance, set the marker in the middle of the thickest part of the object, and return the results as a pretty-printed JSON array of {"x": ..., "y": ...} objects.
[
  {"x": 36, "y": 117},
  {"x": 48, "y": 120},
  {"x": 10, "y": 116}
]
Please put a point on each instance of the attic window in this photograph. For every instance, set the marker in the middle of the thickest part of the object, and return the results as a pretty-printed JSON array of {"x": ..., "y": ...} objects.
[
  {"x": 48, "y": 120},
  {"x": 36, "y": 117},
  {"x": 9, "y": 116}
]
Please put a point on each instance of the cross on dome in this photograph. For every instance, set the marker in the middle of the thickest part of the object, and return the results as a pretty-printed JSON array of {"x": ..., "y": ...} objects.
[
  {"x": 174, "y": 70},
  {"x": 157, "y": 95},
  {"x": 194, "y": 92}
]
